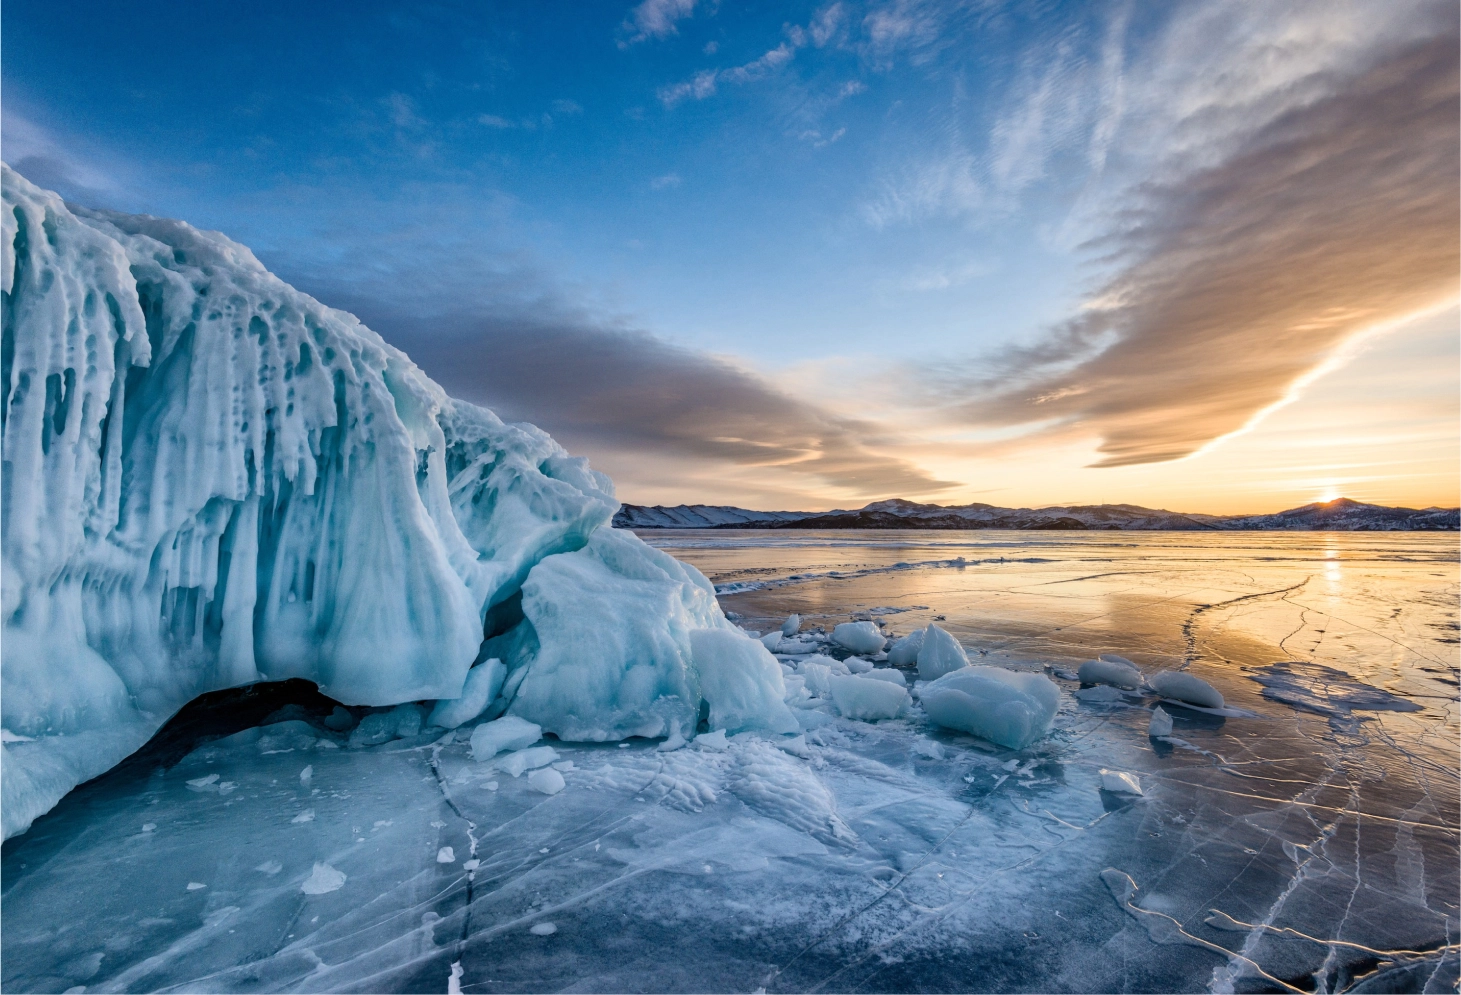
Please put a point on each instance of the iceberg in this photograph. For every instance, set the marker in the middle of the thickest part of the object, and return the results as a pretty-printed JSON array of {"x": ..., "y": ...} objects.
[
  {"x": 211, "y": 479},
  {"x": 1002, "y": 706}
]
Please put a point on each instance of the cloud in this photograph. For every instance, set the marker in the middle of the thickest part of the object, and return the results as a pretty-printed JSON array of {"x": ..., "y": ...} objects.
[
  {"x": 697, "y": 87},
  {"x": 600, "y": 386},
  {"x": 665, "y": 181},
  {"x": 494, "y": 121},
  {"x": 947, "y": 185},
  {"x": 655, "y": 19},
  {"x": 563, "y": 106},
  {"x": 1283, "y": 221}
]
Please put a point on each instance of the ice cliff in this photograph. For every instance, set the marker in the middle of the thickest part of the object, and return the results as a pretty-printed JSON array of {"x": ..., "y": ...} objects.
[{"x": 211, "y": 479}]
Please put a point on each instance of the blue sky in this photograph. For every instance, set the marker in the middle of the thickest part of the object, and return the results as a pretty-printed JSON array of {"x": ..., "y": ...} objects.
[{"x": 795, "y": 254}]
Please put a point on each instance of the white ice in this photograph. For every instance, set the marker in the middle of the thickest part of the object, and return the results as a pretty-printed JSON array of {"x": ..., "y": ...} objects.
[
  {"x": 1116, "y": 673},
  {"x": 1160, "y": 724},
  {"x": 1185, "y": 687},
  {"x": 792, "y": 625},
  {"x": 860, "y": 637},
  {"x": 507, "y": 733},
  {"x": 904, "y": 652},
  {"x": 869, "y": 700},
  {"x": 939, "y": 654},
  {"x": 1002, "y": 706}
]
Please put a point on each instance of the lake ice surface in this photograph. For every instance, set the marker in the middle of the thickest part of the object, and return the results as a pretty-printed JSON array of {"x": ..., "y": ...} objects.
[{"x": 1305, "y": 838}]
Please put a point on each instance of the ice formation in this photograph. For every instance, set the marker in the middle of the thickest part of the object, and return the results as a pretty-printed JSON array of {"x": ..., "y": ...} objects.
[
  {"x": 861, "y": 698},
  {"x": 1160, "y": 724},
  {"x": 211, "y": 479},
  {"x": 507, "y": 733},
  {"x": 1185, "y": 687},
  {"x": 904, "y": 652},
  {"x": 1002, "y": 706},
  {"x": 939, "y": 654},
  {"x": 860, "y": 637},
  {"x": 1115, "y": 672}
]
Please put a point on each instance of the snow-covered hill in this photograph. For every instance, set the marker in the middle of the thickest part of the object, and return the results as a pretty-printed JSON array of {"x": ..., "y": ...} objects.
[{"x": 1339, "y": 515}]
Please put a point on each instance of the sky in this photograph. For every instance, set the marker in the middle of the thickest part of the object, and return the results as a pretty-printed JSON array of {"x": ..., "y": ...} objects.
[{"x": 1198, "y": 256}]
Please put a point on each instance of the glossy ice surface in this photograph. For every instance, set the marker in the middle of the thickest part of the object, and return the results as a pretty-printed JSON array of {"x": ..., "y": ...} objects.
[{"x": 1305, "y": 839}]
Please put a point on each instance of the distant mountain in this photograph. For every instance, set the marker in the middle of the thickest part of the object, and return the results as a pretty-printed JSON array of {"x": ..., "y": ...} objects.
[{"x": 1341, "y": 515}]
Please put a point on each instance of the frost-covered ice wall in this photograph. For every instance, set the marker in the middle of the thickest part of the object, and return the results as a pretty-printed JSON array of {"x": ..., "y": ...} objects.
[{"x": 210, "y": 479}]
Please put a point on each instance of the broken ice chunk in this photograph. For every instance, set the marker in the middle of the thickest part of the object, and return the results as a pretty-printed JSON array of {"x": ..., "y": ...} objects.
[
  {"x": 940, "y": 654},
  {"x": 446, "y": 856},
  {"x": 196, "y": 885},
  {"x": 1101, "y": 693},
  {"x": 1004, "y": 707},
  {"x": 1120, "y": 782},
  {"x": 712, "y": 740},
  {"x": 859, "y": 698},
  {"x": 1115, "y": 672},
  {"x": 857, "y": 665},
  {"x": 506, "y": 733},
  {"x": 741, "y": 681},
  {"x": 270, "y": 867},
  {"x": 308, "y": 815},
  {"x": 322, "y": 879},
  {"x": 306, "y": 775},
  {"x": 904, "y": 652},
  {"x": 1185, "y": 687},
  {"x": 546, "y": 780},
  {"x": 771, "y": 640},
  {"x": 521, "y": 760},
  {"x": 481, "y": 686},
  {"x": 860, "y": 637},
  {"x": 544, "y": 929},
  {"x": 886, "y": 674},
  {"x": 1161, "y": 724},
  {"x": 792, "y": 625}
]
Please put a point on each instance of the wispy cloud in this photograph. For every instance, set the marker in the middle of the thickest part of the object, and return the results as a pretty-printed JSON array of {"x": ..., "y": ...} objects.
[
  {"x": 655, "y": 19},
  {"x": 825, "y": 24},
  {"x": 946, "y": 185},
  {"x": 564, "y": 106},
  {"x": 495, "y": 121},
  {"x": 664, "y": 182},
  {"x": 1284, "y": 216}
]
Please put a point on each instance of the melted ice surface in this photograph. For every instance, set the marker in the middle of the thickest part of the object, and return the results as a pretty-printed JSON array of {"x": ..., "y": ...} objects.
[{"x": 1270, "y": 848}]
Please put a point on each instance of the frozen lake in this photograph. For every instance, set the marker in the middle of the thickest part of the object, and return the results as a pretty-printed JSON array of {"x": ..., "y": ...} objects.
[{"x": 1304, "y": 839}]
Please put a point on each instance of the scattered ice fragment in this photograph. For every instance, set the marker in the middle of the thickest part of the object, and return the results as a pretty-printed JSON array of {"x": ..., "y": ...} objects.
[
  {"x": 712, "y": 740},
  {"x": 543, "y": 929},
  {"x": 1116, "y": 672},
  {"x": 925, "y": 747},
  {"x": 1004, "y": 707},
  {"x": 454, "y": 982},
  {"x": 1161, "y": 724},
  {"x": 546, "y": 780},
  {"x": 859, "y": 698},
  {"x": 322, "y": 879},
  {"x": 202, "y": 783},
  {"x": 224, "y": 787},
  {"x": 771, "y": 640},
  {"x": 1185, "y": 687},
  {"x": 886, "y": 674},
  {"x": 904, "y": 652},
  {"x": 1120, "y": 782},
  {"x": 563, "y": 765},
  {"x": 270, "y": 867},
  {"x": 491, "y": 785},
  {"x": 857, "y": 665},
  {"x": 796, "y": 745},
  {"x": 517, "y": 762},
  {"x": 6, "y": 736},
  {"x": 623, "y": 746},
  {"x": 674, "y": 740},
  {"x": 381, "y": 824},
  {"x": 940, "y": 654},
  {"x": 506, "y": 733},
  {"x": 306, "y": 775},
  {"x": 860, "y": 637},
  {"x": 792, "y": 625},
  {"x": 483, "y": 683},
  {"x": 308, "y": 815},
  {"x": 437, "y": 824},
  {"x": 195, "y": 885},
  {"x": 148, "y": 827},
  {"x": 446, "y": 855},
  {"x": 471, "y": 865}
]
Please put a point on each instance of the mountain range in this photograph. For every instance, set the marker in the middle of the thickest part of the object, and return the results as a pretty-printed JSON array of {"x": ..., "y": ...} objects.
[{"x": 1339, "y": 515}]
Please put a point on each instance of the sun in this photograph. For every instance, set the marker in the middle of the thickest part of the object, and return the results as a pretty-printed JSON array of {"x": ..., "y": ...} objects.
[{"x": 1331, "y": 493}]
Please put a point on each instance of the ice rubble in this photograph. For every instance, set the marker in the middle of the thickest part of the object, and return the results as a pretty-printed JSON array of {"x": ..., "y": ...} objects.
[
  {"x": 211, "y": 479},
  {"x": 1003, "y": 706},
  {"x": 1115, "y": 671}
]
